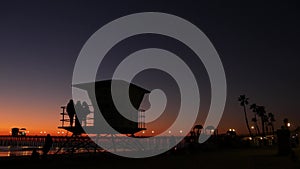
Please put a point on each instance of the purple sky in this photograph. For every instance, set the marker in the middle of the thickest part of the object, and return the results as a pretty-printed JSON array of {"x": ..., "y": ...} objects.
[{"x": 40, "y": 41}]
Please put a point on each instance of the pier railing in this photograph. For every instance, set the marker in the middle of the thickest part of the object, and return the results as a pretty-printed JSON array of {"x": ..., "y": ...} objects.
[{"x": 31, "y": 141}]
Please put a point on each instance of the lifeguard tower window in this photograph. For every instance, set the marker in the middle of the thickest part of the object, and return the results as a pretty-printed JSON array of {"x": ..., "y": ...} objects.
[{"x": 107, "y": 107}]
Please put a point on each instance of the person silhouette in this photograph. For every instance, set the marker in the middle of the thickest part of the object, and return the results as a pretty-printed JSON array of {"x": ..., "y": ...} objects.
[
  {"x": 85, "y": 111},
  {"x": 79, "y": 113},
  {"x": 71, "y": 111},
  {"x": 47, "y": 145},
  {"x": 35, "y": 155}
]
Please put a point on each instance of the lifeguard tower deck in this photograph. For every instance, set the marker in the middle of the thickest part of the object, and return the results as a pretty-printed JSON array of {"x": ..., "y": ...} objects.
[{"x": 105, "y": 102}]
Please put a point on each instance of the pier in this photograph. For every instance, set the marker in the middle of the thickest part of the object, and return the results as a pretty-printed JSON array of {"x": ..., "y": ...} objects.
[{"x": 30, "y": 141}]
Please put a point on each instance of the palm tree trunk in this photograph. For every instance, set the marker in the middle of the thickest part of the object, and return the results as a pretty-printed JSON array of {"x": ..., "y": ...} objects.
[
  {"x": 272, "y": 128},
  {"x": 263, "y": 127},
  {"x": 247, "y": 123},
  {"x": 256, "y": 126}
]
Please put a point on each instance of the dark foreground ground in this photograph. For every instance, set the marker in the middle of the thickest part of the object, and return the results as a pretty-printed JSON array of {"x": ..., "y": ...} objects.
[{"x": 254, "y": 158}]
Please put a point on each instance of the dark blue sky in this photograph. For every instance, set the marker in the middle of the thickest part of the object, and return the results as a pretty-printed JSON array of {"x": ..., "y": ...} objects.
[{"x": 40, "y": 41}]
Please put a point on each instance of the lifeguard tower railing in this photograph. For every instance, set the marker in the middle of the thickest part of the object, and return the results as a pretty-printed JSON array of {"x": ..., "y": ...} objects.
[{"x": 65, "y": 121}]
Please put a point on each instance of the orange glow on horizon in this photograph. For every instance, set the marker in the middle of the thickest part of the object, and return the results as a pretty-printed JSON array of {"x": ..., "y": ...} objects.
[
  {"x": 44, "y": 115},
  {"x": 34, "y": 116}
]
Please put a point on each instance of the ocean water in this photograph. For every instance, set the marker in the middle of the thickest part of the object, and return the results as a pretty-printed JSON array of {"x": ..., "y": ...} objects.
[
  {"x": 119, "y": 144},
  {"x": 27, "y": 151},
  {"x": 10, "y": 151}
]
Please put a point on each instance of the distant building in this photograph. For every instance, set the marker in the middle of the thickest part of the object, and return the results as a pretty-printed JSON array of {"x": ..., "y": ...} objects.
[{"x": 15, "y": 132}]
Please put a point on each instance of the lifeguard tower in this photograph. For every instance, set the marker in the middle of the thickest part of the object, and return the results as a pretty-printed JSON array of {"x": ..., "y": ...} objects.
[
  {"x": 108, "y": 109},
  {"x": 112, "y": 116}
]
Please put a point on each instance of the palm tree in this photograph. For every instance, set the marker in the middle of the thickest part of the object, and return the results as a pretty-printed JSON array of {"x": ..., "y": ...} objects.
[
  {"x": 253, "y": 107},
  {"x": 271, "y": 121},
  {"x": 243, "y": 102},
  {"x": 261, "y": 112}
]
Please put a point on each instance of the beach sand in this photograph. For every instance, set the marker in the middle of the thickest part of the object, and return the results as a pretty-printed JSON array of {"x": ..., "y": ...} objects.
[{"x": 254, "y": 158}]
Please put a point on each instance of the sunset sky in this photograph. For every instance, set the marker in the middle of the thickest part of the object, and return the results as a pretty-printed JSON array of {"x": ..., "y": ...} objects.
[{"x": 40, "y": 42}]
